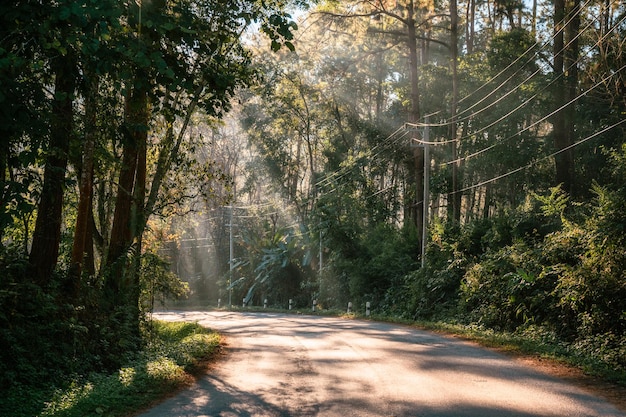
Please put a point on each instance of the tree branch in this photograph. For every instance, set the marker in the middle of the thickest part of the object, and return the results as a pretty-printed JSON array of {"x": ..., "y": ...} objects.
[{"x": 403, "y": 34}]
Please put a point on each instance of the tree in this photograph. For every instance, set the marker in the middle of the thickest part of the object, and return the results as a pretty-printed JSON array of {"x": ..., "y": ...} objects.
[
  {"x": 414, "y": 21},
  {"x": 454, "y": 41},
  {"x": 86, "y": 82},
  {"x": 564, "y": 160},
  {"x": 63, "y": 60},
  {"x": 23, "y": 106},
  {"x": 82, "y": 246},
  {"x": 174, "y": 69},
  {"x": 285, "y": 129}
]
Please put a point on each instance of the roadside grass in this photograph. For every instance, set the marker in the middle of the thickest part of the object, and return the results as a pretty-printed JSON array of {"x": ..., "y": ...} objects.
[
  {"x": 533, "y": 341},
  {"x": 173, "y": 354}
]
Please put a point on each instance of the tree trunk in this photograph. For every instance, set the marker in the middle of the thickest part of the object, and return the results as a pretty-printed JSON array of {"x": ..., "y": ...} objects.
[
  {"x": 416, "y": 208},
  {"x": 470, "y": 16},
  {"x": 571, "y": 81},
  {"x": 534, "y": 20},
  {"x": 138, "y": 222},
  {"x": 89, "y": 263},
  {"x": 487, "y": 202},
  {"x": 47, "y": 234},
  {"x": 121, "y": 275},
  {"x": 454, "y": 39},
  {"x": 428, "y": 29},
  {"x": 563, "y": 160},
  {"x": 122, "y": 230},
  {"x": 80, "y": 247},
  {"x": 491, "y": 21}
]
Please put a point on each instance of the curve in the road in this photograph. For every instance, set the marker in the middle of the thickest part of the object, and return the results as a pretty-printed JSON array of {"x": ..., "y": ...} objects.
[{"x": 298, "y": 365}]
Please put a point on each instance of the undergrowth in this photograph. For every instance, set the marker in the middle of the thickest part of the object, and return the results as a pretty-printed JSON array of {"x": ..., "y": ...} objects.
[{"x": 172, "y": 352}]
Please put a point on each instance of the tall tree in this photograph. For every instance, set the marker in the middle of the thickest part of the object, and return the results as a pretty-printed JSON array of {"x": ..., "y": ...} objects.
[
  {"x": 564, "y": 160},
  {"x": 454, "y": 42},
  {"x": 47, "y": 234},
  {"x": 416, "y": 210},
  {"x": 172, "y": 70},
  {"x": 413, "y": 21},
  {"x": 82, "y": 245}
]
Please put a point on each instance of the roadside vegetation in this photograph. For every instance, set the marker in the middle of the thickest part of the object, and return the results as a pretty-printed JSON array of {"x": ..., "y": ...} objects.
[
  {"x": 172, "y": 356},
  {"x": 546, "y": 276}
]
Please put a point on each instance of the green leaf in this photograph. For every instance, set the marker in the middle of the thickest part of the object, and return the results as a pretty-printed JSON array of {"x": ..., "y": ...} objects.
[
  {"x": 250, "y": 294},
  {"x": 236, "y": 283},
  {"x": 526, "y": 276}
]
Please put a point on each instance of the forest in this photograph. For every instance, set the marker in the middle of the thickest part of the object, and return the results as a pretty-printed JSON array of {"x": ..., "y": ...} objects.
[{"x": 441, "y": 160}]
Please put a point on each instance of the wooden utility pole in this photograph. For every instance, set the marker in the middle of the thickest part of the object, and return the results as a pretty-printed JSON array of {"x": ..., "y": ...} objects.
[{"x": 426, "y": 191}]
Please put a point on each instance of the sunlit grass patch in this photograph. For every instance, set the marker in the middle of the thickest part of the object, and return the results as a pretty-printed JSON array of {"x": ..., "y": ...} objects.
[
  {"x": 183, "y": 343},
  {"x": 64, "y": 400},
  {"x": 164, "y": 370},
  {"x": 174, "y": 331}
]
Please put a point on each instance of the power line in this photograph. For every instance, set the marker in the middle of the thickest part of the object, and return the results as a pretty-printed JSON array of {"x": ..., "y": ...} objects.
[
  {"x": 523, "y": 104},
  {"x": 546, "y": 44},
  {"x": 531, "y": 164},
  {"x": 535, "y": 162},
  {"x": 602, "y": 81},
  {"x": 599, "y": 83},
  {"x": 519, "y": 85},
  {"x": 396, "y": 137}
]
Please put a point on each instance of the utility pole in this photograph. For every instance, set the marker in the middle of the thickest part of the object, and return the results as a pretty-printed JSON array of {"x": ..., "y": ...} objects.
[
  {"x": 426, "y": 202},
  {"x": 230, "y": 244},
  {"x": 230, "y": 261},
  {"x": 425, "y": 144},
  {"x": 321, "y": 266}
]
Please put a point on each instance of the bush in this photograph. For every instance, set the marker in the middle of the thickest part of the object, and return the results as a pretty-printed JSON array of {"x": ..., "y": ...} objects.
[
  {"x": 571, "y": 280},
  {"x": 171, "y": 350},
  {"x": 510, "y": 288},
  {"x": 39, "y": 335}
]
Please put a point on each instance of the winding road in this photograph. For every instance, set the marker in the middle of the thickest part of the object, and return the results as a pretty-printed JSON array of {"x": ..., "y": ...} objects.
[{"x": 304, "y": 365}]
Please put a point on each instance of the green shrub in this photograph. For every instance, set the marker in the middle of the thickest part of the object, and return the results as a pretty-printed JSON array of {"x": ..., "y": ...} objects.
[
  {"x": 39, "y": 336},
  {"x": 171, "y": 349}
]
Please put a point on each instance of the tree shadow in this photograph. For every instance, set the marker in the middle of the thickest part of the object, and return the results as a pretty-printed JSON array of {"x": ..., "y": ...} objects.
[{"x": 414, "y": 352}]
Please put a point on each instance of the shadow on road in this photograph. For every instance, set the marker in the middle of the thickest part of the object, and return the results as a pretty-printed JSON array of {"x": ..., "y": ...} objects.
[{"x": 296, "y": 366}]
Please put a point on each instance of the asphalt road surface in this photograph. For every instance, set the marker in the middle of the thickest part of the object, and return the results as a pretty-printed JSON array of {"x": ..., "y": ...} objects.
[{"x": 299, "y": 365}]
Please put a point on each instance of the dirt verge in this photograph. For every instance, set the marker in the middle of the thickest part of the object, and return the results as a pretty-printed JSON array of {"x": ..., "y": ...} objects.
[{"x": 613, "y": 393}]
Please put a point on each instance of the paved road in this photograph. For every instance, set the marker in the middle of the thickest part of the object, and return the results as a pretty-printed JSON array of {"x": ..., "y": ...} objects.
[{"x": 289, "y": 365}]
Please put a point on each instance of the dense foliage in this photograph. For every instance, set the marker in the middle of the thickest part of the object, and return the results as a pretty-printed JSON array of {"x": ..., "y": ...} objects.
[
  {"x": 97, "y": 101},
  {"x": 436, "y": 159},
  {"x": 172, "y": 355},
  {"x": 523, "y": 114}
]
